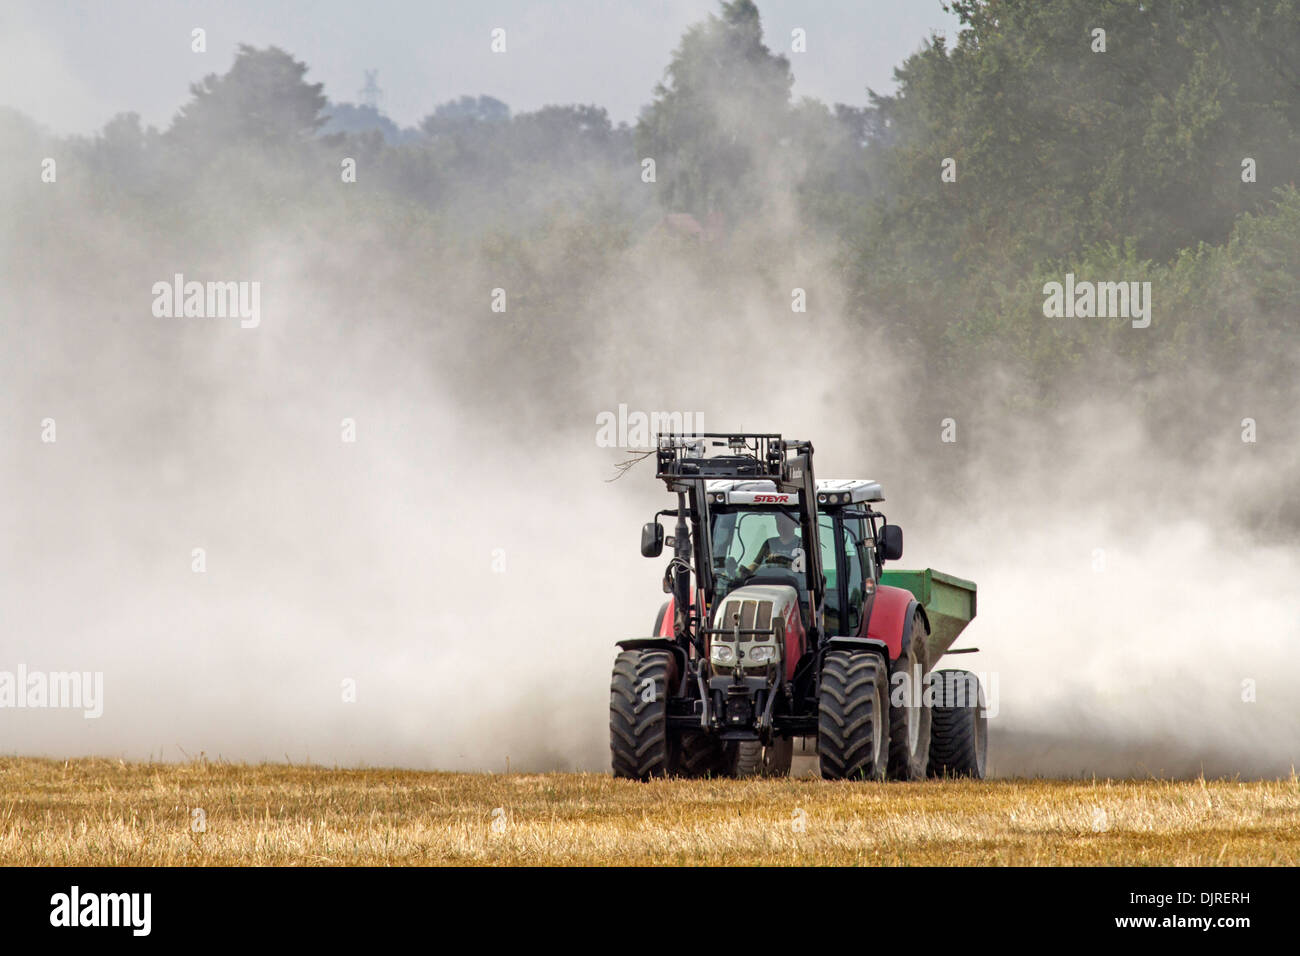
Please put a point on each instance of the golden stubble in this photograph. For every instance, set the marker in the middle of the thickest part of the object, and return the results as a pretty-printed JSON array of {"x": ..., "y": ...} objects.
[{"x": 104, "y": 812}]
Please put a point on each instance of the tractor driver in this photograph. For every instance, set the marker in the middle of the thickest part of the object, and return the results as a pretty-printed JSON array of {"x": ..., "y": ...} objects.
[{"x": 779, "y": 551}]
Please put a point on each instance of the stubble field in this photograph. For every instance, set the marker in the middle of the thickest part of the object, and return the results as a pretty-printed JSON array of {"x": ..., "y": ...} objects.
[{"x": 104, "y": 812}]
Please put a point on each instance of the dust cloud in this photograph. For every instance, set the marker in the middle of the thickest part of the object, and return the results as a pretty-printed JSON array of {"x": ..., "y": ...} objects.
[{"x": 466, "y": 565}]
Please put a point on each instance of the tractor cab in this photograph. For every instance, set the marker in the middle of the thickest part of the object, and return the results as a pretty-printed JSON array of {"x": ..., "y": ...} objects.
[{"x": 747, "y": 536}]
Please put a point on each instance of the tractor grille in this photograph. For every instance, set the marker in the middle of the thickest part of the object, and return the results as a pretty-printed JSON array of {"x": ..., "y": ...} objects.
[{"x": 751, "y": 614}]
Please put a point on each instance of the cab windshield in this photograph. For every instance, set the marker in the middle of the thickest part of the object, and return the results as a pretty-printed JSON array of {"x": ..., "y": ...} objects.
[{"x": 750, "y": 541}]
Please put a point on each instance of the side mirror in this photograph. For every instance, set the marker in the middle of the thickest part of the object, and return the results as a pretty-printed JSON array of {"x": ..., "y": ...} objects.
[
  {"x": 652, "y": 540},
  {"x": 891, "y": 542}
]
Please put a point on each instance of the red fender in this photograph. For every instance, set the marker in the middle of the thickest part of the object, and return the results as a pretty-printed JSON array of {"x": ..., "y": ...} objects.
[
  {"x": 889, "y": 620},
  {"x": 670, "y": 612},
  {"x": 666, "y": 621}
]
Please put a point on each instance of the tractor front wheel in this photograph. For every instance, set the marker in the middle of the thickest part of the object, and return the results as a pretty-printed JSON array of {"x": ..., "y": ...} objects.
[
  {"x": 752, "y": 759},
  {"x": 853, "y": 716},
  {"x": 698, "y": 754},
  {"x": 638, "y": 714}
]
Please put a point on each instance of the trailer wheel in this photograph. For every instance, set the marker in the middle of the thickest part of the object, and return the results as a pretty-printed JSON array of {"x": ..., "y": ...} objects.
[
  {"x": 909, "y": 718},
  {"x": 638, "y": 714},
  {"x": 959, "y": 736},
  {"x": 853, "y": 716},
  {"x": 752, "y": 759}
]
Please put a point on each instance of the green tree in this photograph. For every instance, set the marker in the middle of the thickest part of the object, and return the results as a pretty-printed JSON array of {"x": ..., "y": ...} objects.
[
  {"x": 1059, "y": 145},
  {"x": 262, "y": 99},
  {"x": 717, "y": 119},
  {"x": 1068, "y": 155},
  {"x": 468, "y": 111}
]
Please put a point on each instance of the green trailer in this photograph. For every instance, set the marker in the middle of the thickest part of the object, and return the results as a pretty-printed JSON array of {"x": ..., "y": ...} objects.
[{"x": 949, "y": 603}]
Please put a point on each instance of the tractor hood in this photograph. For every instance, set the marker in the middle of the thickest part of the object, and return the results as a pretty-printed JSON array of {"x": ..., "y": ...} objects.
[
  {"x": 761, "y": 607},
  {"x": 757, "y": 606}
]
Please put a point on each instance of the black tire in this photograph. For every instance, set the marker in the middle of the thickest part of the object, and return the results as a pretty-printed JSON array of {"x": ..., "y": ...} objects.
[
  {"x": 909, "y": 718},
  {"x": 778, "y": 757},
  {"x": 750, "y": 758},
  {"x": 959, "y": 732},
  {"x": 638, "y": 718},
  {"x": 698, "y": 754},
  {"x": 853, "y": 716}
]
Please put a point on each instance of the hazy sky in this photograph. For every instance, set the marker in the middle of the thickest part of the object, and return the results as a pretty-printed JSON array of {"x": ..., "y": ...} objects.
[{"x": 73, "y": 64}]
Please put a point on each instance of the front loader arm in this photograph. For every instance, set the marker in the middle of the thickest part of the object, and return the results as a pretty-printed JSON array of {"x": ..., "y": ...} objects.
[{"x": 797, "y": 478}]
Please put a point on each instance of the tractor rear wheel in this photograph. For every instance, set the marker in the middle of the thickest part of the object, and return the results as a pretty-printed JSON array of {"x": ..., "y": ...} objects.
[
  {"x": 752, "y": 759},
  {"x": 959, "y": 736},
  {"x": 909, "y": 718},
  {"x": 638, "y": 714},
  {"x": 853, "y": 716}
]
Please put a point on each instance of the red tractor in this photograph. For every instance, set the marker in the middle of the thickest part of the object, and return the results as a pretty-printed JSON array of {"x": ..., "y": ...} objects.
[{"x": 782, "y": 630}]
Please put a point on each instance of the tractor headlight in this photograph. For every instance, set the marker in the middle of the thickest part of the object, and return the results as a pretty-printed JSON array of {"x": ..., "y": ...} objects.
[
  {"x": 724, "y": 653},
  {"x": 763, "y": 654}
]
